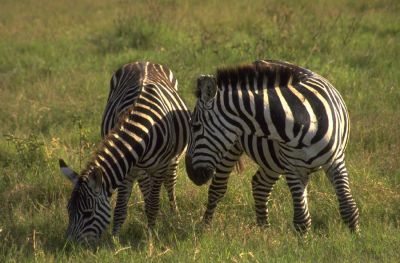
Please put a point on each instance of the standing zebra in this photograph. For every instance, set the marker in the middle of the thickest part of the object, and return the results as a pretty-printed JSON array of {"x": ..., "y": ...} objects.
[
  {"x": 149, "y": 138},
  {"x": 288, "y": 119}
]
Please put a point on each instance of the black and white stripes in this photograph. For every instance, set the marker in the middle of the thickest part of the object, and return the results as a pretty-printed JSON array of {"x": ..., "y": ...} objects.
[
  {"x": 150, "y": 137},
  {"x": 125, "y": 87},
  {"x": 288, "y": 119}
]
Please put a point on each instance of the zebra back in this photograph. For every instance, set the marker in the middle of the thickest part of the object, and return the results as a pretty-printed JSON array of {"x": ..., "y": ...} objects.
[{"x": 125, "y": 86}]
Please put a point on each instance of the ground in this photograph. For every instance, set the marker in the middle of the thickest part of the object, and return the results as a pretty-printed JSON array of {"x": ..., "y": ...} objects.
[{"x": 56, "y": 60}]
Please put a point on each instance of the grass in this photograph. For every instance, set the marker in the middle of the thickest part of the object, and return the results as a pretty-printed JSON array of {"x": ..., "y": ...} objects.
[{"x": 56, "y": 59}]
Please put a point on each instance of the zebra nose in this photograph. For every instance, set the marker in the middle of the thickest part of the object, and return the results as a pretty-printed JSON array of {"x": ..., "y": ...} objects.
[
  {"x": 200, "y": 175},
  {"x": 189, "y": 167}
]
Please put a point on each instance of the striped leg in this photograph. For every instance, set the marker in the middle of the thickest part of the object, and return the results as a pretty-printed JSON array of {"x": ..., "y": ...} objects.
[
  {"x": 262, "y": 185},
  {"x": 121, "y": 207},
  {"x": 124, "y": 193},
  {"x": 152, "y": 202},
  {"x": 338, "y": 176},
  {"x": 216, "y": 191},
  {"x": 144, "y": 182},
  {"x": 219, "y": 182},
  {"x": 298, "y": 189},
  {"x": 169, "y": 184}
]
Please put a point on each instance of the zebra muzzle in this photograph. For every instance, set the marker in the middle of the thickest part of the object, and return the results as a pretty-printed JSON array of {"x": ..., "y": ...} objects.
[{"x": 199, "y": 175}]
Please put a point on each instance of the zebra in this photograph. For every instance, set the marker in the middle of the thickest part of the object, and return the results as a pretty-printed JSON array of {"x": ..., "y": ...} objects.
[
  {"x": 288, "y": 119},
  {"x": 125, "y": 87},
  {"x": 149, "y": 138}
]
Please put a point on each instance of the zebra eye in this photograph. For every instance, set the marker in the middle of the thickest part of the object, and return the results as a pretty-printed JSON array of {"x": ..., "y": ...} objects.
[{"x": 87, "y": 213}]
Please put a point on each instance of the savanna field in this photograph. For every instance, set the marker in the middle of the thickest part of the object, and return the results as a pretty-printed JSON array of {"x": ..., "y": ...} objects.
[{"x": 56, "y": 60}]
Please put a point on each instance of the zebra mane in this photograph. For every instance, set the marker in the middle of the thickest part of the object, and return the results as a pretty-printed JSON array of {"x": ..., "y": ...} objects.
[
  {"x": 197, "y": 92},
  {"x": 106, "y": 140},
  {"x": 258, "y": 70}
]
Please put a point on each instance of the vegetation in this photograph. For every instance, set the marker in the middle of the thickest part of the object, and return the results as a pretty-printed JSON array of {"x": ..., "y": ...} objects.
[{"x": 56, "y": 59}]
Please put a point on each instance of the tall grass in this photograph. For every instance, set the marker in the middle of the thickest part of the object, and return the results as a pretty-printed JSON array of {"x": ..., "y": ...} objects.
[{"x": 56, "y": 59}]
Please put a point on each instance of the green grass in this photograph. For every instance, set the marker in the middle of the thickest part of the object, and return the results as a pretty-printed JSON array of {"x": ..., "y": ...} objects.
[{"x": 56, "y": 59}]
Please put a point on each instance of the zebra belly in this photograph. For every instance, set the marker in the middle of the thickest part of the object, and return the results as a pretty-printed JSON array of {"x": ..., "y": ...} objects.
[
  {"x": 154, "y": 167},
  {"x": 278, "y": 157}
]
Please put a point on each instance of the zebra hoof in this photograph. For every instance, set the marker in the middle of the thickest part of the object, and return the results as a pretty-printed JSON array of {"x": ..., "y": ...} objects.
[
  {"x": 175, "y": 211},
  {"x": 115, "y": 231},
  {"x": 264, "y": 223},
  {"x": 206, "y": 221},
  {"x": 302, "y": 229},
  {"x": 356, "y": 230}
]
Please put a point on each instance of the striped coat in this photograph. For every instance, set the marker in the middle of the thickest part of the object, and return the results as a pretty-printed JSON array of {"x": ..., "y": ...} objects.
[
  {"x": 149, "y": 137},
  {"x": 288, "y": 119}
]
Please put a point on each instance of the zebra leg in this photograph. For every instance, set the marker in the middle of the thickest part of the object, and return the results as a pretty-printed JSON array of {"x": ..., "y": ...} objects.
[
  {"x": 121, "y": 207},
  {"x": 338, "y": 176},
  {"x": 144, "y": 182},
  {"x": 216, "y": 191},
  {"x": 298, "y": 188},
  {"x": 219, "y": 182},
  {"x": 152, "y": 202},
  {"x": 262, "y": 185},
  {"x": 169, "y": 184}
]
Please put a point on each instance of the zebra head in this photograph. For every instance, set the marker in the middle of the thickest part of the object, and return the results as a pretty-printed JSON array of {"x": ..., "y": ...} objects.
[
  {"x": 89, "y": 207},
  {"x": 210, "y": 138}
]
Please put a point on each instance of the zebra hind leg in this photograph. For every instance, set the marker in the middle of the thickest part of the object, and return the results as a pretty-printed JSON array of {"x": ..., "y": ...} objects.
[
  {"x": 144, "y": 182},
  {"x": 298, "y": 189},
  {"x": 262, "y": 185},
  {"x": 121, "y": 207},
  {"x": 338, "y": 175},
  {"x": 152, "y": 202},
  {"x": 169, "y": 184}
]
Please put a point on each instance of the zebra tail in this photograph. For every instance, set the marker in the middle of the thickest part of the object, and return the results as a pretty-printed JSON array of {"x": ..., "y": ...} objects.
[{"x": 239, "y": 165}]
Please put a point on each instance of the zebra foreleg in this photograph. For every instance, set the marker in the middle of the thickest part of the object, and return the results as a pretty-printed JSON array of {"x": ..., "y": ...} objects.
[
  {"x": 219, "y": 182},
  {"x": 338, "y": 176},
  {"x": 298, "y": 189},
  {"x": 262, "y": 185},
  {"x": 216, "y": 191},
  {"x": 121, "y": 207}
]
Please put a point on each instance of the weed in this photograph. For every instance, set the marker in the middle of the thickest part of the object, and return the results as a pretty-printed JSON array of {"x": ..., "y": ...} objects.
[{"x": 30, "y": 150}]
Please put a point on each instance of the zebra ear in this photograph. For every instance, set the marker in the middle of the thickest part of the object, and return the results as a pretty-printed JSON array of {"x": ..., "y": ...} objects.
[
  {"x": 68, "y": 172},
  {"x": 207, "y": 87},
  {"x": 96, "y": 180}
]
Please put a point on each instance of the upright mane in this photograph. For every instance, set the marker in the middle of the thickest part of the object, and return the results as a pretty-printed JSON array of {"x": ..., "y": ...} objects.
[{"x": 258, "y": 70}]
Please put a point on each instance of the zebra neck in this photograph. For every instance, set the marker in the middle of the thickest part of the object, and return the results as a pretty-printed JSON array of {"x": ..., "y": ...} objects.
[
  {"x": 229, "y": 109},
  {"x": 121, "y": 150}
]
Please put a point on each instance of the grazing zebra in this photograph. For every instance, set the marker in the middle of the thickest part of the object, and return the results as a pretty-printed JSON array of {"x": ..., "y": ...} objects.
[
  {"x": 288, "y": 119},
  {"x": 149, "y": 138},
  {"x": 125, "y": 87}
]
